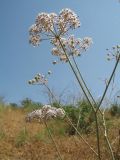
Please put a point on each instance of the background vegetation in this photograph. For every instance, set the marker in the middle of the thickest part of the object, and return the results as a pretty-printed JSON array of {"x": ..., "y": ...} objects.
[{"x": 23, "y": 141}]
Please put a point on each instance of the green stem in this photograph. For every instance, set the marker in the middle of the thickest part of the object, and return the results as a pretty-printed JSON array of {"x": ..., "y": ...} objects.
[
  {"x": 97, "y": 135},
  {"x": 73, "y": 69},
  {"x": 111, "y": 76},
  {"x": 106, "y": 137}
]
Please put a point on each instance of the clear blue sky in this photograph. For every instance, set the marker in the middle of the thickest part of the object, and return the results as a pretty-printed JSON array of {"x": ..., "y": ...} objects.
[{"x": 19, "y": 61}]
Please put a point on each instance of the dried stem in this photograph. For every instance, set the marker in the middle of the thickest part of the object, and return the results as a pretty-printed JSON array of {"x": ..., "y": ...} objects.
[
  {"x": 50, "y": 134},
  {"x": 106, "y": 136}
]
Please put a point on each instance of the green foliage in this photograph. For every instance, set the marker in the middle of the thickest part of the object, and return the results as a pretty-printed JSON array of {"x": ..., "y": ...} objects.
[
  {"x": 84, "y": 113},
  {"x": 22, "y": 137},
  {"x": 86, "y": 116},
  {"x": 29, "y": 105},
  {"x": 115, "y": 110},
  {"x": 56, "y": 104},
  {"x": 13, "y": 105},
  {"x": 72, "y": 112}
]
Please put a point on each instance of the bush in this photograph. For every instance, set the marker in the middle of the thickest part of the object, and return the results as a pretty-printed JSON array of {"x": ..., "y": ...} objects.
[
  {"x": 29, "y": 105},
  {"x": 13, "y": 106},
  {"x": 115, "y": 110},
  {"x": 84, "y": 113}
]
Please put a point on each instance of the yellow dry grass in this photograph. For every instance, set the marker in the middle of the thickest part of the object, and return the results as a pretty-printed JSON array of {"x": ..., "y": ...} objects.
[{"x": 18, "y": 142}]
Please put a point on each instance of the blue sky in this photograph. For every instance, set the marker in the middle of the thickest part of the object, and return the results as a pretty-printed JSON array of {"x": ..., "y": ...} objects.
[{"x": 19, "y": 61}]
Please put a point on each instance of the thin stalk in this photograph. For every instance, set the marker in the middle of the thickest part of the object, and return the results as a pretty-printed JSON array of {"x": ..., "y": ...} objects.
[
  {"x": 97, "y": 135},
  {"x": 56, "y": 147},
  {"x": 106, "y": 137},
  {"x": 81, "y": 136},
  {"x": 113, "y": 73},
  {"x": 49, "y": 90},
  {"x": 70, "y": 122},
  {"x": 96, "y": 120},
  {"x": 111, "y": 76},
  {"x": 73, "y": 69}
]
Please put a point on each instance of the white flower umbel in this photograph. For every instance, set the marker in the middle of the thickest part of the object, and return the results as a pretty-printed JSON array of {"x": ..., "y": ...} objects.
[
  {"x": 49, "y": 25},
  {"x": 53, "y": 27},
  {"x": 39, "y": 79},
  {"x": 37, "y": 114},
  {"x": 46, "y": 113},
  {"x": 73, "y": 46}
]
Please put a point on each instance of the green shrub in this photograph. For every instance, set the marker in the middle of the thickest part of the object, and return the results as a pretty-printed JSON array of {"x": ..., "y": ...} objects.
[
  {"x": 84, "y": 113},
  {"x": 56, "y": 104},
  {"x": 13, "y": 106},
  {"x": 28, "y": 105},
  {"x": 115, "y": 110}
]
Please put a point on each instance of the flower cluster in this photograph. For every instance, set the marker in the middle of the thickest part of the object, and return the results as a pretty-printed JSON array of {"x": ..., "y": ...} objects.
[
  {"x": 72, "y": 46},
  {"x": 114, "y": 53},
  {"x": 46, "y": 113},
  {"x": 67, "y": 19},
  {"x": 52, "y": 25},
  {"x": 38, "y": 79}
]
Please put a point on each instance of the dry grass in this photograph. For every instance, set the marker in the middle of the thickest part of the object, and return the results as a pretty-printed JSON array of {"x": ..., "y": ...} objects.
[{"x": 21, "y": 141}]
